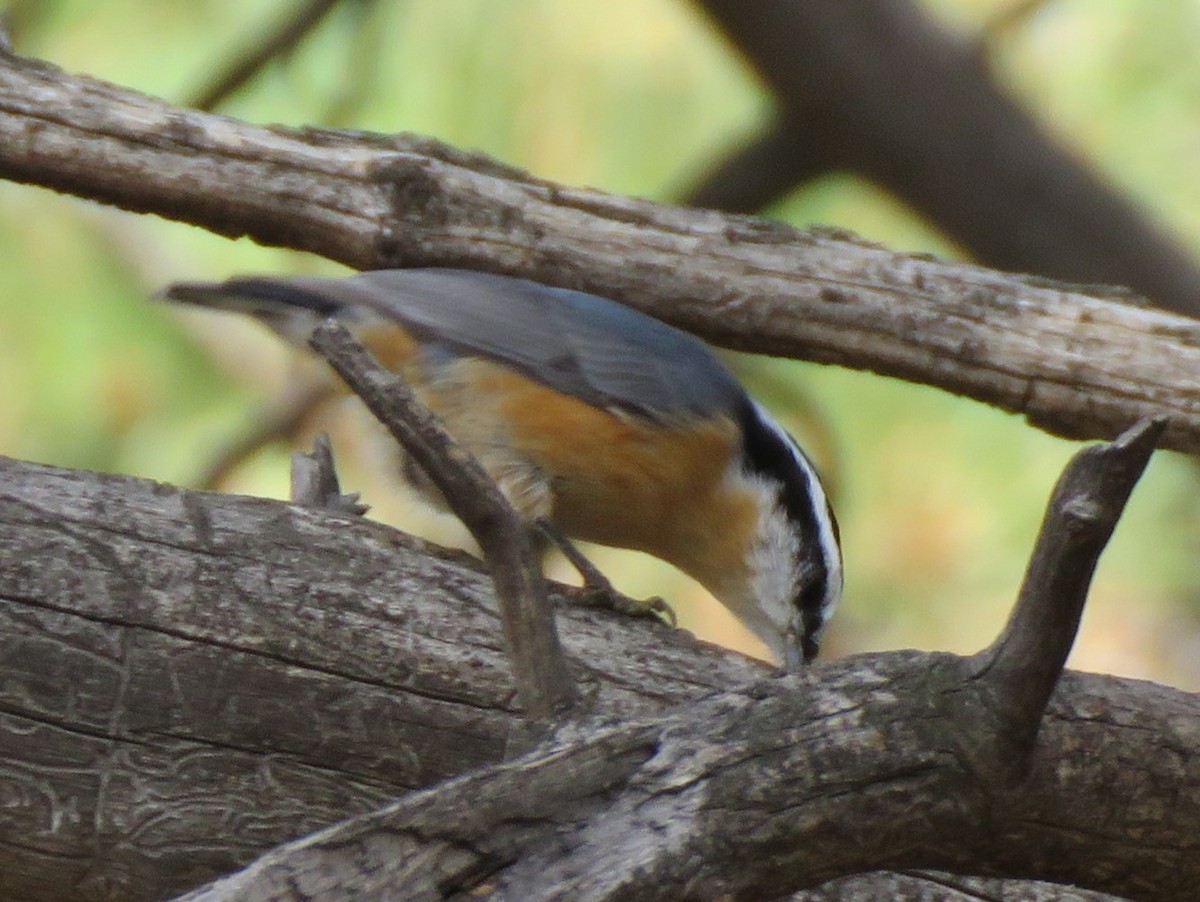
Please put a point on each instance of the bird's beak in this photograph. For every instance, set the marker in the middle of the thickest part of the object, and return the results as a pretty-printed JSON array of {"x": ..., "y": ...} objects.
[{"x": 793, "y": 657}]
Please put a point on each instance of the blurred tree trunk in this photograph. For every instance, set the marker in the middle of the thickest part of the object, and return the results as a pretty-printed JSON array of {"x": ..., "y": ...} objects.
[{"x": 879, "y": 89}]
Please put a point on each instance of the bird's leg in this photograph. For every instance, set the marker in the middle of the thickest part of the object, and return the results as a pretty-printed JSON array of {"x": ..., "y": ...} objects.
[{"x": 598, "y": 591}]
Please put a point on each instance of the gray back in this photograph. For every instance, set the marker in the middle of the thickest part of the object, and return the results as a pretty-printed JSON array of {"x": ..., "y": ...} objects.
[{"x": 583, "y": 345}]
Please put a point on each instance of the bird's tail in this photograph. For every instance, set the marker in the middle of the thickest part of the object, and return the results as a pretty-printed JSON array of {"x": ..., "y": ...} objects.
[
  {"x": 253, "y": 295},
  {"x": 292, "y": 307}
]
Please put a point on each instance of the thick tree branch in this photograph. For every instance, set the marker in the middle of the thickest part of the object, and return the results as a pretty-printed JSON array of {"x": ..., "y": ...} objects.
[
  {"x": 746, "y": 794},
  {"x": 884, "y": 91},
  {"x": 171, "y": 660},
  {"x": 544, "y": 683},
  {"x": 1077, "y": 364},
  {"x": 938, "y": 886},
  {"x": 187, "y": 678}
]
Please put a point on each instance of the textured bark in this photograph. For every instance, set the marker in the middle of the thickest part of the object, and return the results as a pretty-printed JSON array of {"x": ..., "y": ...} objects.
[
  {"x": 880, "y": 89},
  {"x": 936, "y": 886},
  {"x": 187, "y": 679},
  {"x": 1078, "y": 364}
]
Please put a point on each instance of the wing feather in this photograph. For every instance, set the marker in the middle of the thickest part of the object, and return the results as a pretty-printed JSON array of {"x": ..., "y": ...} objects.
[{"x": 584, "y": 345}]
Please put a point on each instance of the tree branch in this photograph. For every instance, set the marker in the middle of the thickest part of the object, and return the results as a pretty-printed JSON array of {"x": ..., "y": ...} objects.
[
  {"x": 1076, "y": 364},
  {"x": 544, "y": 683},
  {"x": 190, "y": 678},
  {"x": 1020, "y": 669},
  {"x": 746, "y": 794},
  {"x": 207, "y": 657},
  {"x": 938, "y": 886}
]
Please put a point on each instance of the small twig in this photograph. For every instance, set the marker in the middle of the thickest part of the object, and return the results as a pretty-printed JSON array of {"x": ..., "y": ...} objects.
[
  {"x": 1007, "y": 20},
  {"x": 544, "y": 683},
  {"x": 315, "y": 482},
  {"x": 360, "y": 76},
  {"x": 279, "y": 420},
  {"x": 278, "y": 42},
  {"x": 1021, "y": 668}
]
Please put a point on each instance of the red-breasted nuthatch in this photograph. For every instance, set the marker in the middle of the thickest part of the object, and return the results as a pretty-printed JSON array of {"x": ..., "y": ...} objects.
[{"x": 614, "y": 426}]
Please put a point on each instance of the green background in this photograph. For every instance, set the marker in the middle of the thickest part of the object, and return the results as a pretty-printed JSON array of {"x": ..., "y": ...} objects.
[{"x": 939, "y": 498}]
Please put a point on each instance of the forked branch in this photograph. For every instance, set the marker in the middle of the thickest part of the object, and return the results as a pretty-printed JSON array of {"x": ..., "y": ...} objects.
[{"x": 784, "y": 783}]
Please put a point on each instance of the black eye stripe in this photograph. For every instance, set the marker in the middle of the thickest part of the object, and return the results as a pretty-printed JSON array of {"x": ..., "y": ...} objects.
[{"x": 772, "y": 453}]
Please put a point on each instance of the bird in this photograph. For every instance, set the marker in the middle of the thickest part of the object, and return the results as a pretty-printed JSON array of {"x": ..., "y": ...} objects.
[{"x": 596, "y": 421}]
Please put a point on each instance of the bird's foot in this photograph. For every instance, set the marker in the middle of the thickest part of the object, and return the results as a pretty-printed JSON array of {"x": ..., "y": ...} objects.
[
  {"x": 608, "y": 598},
  {"x": 598, "y": 592}
]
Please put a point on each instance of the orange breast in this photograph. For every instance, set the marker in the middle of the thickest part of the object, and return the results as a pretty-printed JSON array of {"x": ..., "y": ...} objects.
[
  {"x": 621, "y": 480},
  {"x": 392, "y": 346},
  {"x": 614, "y": 478}
]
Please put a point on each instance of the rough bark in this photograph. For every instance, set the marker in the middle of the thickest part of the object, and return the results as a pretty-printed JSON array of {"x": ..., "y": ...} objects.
[
  {"x": 1078, "y": 364},
  {"x": 735, "y": 795},
  {"x": 187, "y": 679},
  {"x": 880, "y": 89}
]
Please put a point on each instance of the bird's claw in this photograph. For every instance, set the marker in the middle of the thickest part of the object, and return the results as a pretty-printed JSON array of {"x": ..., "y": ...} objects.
[{"x": 608, "y": 598}]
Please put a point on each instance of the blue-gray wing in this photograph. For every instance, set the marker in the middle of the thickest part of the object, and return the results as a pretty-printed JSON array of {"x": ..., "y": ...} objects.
[{"x": 580, "y": 344}]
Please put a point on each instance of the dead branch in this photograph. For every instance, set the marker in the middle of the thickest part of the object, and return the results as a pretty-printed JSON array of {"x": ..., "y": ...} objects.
[
  {"x": 1077, "y": 364},
  {"x": 189, "y": 678},
  {"x": 202, "y": 657},
  {"x": 1020, "y": 669},
  {"x": 544, "y": 684},
  {"x": 942, "y": 887}
]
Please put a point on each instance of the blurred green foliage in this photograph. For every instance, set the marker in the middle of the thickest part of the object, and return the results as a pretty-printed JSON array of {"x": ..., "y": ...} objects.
[{"x": 939, "y": 498}]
